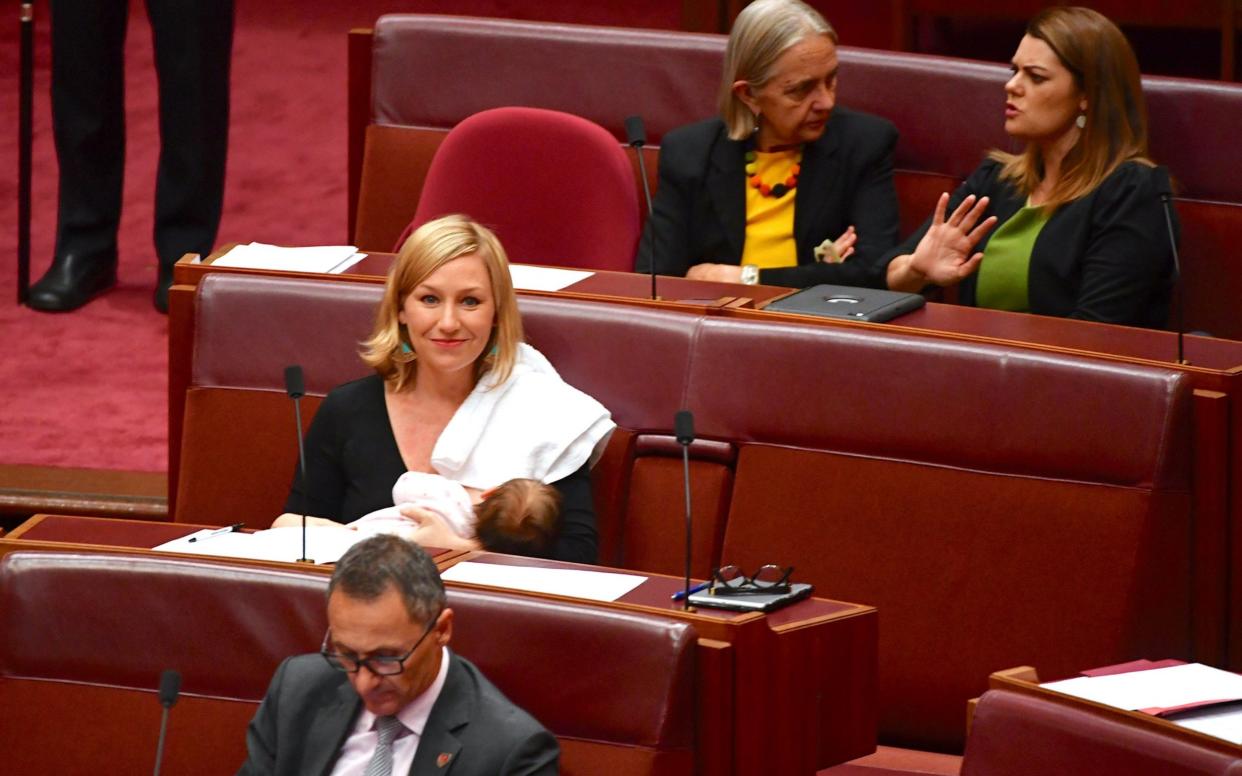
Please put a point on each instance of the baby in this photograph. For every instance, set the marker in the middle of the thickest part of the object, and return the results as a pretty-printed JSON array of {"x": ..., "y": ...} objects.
[{"x": 519, "y": 517}]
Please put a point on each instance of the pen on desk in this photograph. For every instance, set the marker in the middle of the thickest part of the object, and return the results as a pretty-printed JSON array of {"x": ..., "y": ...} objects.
[
  {"x": 218, "y": 531},
  {"x": 680, "y": 594}
]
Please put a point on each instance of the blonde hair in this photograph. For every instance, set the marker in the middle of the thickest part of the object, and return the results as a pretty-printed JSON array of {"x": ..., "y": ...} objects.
[
  {"x": 430, "y": 247},
  {"x": 762, "y": 32},
  {"x": 1107, "y": 73}
]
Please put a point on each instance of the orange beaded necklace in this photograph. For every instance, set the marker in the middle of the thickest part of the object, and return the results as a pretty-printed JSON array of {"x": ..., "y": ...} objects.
[{"x": 776, "y": 190}]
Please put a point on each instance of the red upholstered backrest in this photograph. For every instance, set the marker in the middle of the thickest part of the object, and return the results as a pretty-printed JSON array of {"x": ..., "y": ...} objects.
[
  {"x": 556, "y": 188},
  {"x": 616, "y": 688},
  {"x": 88, "y": 635},
  {"x": 972, "y": 493},
  {"x": 1211, "y": 270},
  {"x": 239, "y": 446},
  {"x": 602, "y": 74},
  {"x": 1022, "y": 735},
  {"x": 949, "y": 111}
]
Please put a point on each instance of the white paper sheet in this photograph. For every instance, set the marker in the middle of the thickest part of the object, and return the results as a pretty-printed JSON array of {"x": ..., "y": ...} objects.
[
  {"x": 327, "y": 259},
  {"x": 324, "y": 544},
  {"x": 1220, "y": 721},
  {"x": 528, "y": 278},
  {"x": 591, "y": 585},
  {"x": 1158, "y": 688}
]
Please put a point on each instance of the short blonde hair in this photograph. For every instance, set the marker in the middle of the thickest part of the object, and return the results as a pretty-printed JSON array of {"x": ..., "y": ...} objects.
[
  {"x": 430, "y": 247},
  {"x": 763, "y": 31},
  {"x": 1105, "y": 69}
]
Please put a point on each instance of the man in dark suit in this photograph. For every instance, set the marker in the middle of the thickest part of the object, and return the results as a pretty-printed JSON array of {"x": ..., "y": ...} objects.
[
  {"x": 193, "y": 46},
  {"x": 385, "y": 696}
]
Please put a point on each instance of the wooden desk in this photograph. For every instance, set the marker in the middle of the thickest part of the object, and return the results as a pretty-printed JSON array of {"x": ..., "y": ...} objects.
[{"x": 803, "y": 690}]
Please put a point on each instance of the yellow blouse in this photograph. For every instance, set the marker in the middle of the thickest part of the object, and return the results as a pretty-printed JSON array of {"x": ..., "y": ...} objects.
[{"x": 770, "y": 221}]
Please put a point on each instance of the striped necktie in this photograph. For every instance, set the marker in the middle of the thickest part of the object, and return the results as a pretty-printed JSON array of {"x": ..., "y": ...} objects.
[{"x": 381, "y": 761}]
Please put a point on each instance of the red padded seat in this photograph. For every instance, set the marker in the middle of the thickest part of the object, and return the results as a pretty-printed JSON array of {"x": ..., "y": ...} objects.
[{"x": 556, "y": 188}]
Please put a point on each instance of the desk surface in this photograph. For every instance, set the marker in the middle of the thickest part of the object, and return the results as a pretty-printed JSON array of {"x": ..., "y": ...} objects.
[{"x": 1202, "y": 353}]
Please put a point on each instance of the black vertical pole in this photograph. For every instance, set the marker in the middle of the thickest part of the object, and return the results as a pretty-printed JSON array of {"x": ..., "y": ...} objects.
[{"x": 25, "y": 121}]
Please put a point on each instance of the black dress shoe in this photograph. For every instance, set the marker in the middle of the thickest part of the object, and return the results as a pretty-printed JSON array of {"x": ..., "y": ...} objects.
[
  {"x": 73, "y": 280},
  {"x": 162, "y": 284}
]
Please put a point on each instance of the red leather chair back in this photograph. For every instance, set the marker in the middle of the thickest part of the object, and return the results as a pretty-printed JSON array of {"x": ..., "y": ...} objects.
[
  {"x": 557, "y": 189},
  {"x": 1023, "y": 735},
  {"x": 972, "y": 493},
  {"x": 87, "y": 637}
]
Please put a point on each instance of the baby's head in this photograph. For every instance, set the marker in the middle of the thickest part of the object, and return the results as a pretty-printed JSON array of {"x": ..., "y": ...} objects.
[{"x": 520, "y": 517}]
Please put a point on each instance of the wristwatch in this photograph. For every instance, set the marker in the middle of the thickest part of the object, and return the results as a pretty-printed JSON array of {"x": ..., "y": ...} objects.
[{"x": 750, "y": 274}]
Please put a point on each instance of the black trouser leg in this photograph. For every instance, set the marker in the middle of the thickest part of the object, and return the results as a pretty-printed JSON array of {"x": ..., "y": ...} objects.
[
  {"x": 193, "y": 49},
  {"x": 88, "y": 122}
]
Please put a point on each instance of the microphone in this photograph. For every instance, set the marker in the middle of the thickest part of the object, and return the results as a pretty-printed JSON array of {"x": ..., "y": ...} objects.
[
  {"x": 683, "y": 429},
  {"x": 636, "y": 138},
  {"x": 1164, "y": 187},
  {"x": 170, "y": 686},
  {"x": 295, "y": 386}
]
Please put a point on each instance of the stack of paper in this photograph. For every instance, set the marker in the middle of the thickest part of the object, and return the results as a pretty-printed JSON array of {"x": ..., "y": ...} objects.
[
  {"x": 528, "y": 278},
  {"x": 1194, "y": 695},
  {"x": 324, "y": 544},
  {"x": 591, "y": 585},
  {"x": 327, "y": 259}
]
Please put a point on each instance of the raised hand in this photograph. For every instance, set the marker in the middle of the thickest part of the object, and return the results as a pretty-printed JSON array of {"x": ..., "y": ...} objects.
[{"x": 944, "y": 255}]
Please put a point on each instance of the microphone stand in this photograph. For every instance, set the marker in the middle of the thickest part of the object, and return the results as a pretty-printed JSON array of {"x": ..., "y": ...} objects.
[
  {"x": 295, "y": 386},
  {"x": 297, "y": 418},
  {"x": 637, "y": 137},
  {"x": 170, "y": 687},
  {"x": 683, "y": 425},
  {"x": 1165, "y": 198}
]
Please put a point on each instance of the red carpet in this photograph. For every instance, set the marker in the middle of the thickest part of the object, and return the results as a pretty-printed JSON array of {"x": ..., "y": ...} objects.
[{"x": 89, "y": 389}]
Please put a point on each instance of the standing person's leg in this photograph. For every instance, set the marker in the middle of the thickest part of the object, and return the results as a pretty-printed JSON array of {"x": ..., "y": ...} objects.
[
  {"x": 193, "y": 50},
  {"x": 88, "y": 122}
]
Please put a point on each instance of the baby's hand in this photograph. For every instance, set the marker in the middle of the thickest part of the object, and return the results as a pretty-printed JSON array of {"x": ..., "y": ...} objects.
[{"x": 433, "y": 531}]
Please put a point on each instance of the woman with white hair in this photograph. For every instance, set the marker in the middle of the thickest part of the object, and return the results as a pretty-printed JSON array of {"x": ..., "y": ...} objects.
[{"x": 785, "y": 187}]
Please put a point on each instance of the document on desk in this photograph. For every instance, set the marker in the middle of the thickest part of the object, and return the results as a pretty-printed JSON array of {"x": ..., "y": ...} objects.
[
  {"x": 324, "y": 544},
  {"x": 1192, "y": 695},
  {"x": 326, "y": 259},
  {"x": 528, "y": 278},
  {"x": 591, "y": 585}
]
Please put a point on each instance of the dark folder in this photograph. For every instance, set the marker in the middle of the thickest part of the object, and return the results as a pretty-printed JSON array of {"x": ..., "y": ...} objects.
[{"x": 858, "y": 304}]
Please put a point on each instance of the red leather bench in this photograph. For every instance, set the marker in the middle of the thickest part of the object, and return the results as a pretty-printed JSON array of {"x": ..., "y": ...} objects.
[
  {"x": 992, "y": 504},
  {"x": 1000, "y": 506},
  {"x": 947, "y": 110},
  {"x": 1024, "y": 735},
  {"x": 87, "y": 636}
]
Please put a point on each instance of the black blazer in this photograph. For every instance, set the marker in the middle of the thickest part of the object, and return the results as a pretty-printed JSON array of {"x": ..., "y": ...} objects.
[
  {"x": 847, "y": 178},
  {"x": 1103, "y": 257},
  {"x": 310, "y": 708}
]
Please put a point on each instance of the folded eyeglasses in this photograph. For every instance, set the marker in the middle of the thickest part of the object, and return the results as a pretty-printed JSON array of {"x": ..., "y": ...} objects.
[{"x": 770, "y": 579}]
